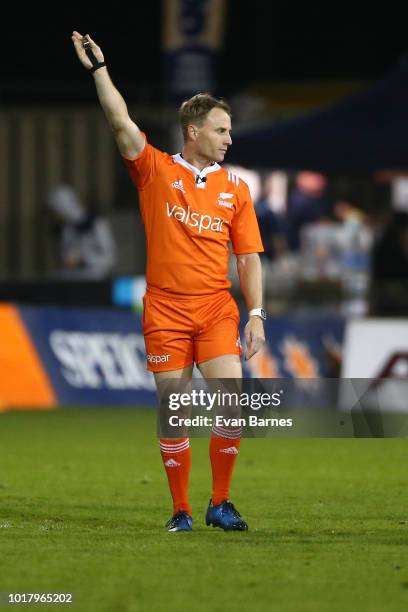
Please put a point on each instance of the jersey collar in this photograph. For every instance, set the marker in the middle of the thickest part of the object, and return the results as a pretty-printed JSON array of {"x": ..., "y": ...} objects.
[{"x": 180, "y": 160}]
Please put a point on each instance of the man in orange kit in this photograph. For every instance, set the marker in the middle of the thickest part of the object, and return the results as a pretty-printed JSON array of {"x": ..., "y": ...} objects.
[{"x": 191, "y": 208}]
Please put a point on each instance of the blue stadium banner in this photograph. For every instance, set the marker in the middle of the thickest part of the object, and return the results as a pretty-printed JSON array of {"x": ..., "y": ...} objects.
[
  {"x": 92, "y": 357},
  {"x": 192, "y": 37},
  {"x": 299, "y": 346},
  {"x": 97, "y": 357}
]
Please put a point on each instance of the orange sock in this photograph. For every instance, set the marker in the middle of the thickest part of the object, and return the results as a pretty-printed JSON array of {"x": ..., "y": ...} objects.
[
  {"x": 223, "y": 454},
  {"x": 176, "y": 457}
]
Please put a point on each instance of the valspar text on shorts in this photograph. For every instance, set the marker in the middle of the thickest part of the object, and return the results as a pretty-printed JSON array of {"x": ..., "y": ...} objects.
[{"x": 157, "y": 358}]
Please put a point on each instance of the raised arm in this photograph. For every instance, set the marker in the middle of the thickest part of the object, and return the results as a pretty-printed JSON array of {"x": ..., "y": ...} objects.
[{"x": 128, "y": 137}]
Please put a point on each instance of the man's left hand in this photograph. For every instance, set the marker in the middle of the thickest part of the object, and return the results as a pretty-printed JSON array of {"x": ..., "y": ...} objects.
[{"x": 254, "y": 336}]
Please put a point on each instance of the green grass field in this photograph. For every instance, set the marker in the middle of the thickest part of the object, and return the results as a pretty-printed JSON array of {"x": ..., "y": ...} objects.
[{"x": 83, "y": 502}]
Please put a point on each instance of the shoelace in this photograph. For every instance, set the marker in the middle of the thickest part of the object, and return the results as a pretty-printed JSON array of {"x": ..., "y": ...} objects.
[
  {"x": 175, "y": 519},
  {"x": 234, "y": 510}
]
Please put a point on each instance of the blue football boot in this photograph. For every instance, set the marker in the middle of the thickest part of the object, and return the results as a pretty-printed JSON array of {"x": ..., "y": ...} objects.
[
  {"x": 225, "y": 516},
  {"x": 181, "y": 521}
]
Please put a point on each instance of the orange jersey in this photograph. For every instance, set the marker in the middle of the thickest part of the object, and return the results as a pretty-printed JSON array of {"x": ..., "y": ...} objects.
[{"x": 190, "y": 217}]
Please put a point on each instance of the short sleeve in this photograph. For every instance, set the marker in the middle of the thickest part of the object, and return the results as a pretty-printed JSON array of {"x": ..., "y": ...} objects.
[
  {"x": 143, "y": 169},
  {"x": 245, "y": 235}
]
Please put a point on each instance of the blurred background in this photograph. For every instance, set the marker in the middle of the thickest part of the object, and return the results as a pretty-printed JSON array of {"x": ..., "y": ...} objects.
[{"x": 320, "y": 133}]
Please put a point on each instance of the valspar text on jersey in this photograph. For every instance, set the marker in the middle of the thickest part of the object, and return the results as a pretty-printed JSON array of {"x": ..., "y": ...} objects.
[{"x": 195, "y": 219}]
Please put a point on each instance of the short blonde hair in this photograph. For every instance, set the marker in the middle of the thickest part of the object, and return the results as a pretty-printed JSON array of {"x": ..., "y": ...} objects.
[{"x": 197, "y": 108}]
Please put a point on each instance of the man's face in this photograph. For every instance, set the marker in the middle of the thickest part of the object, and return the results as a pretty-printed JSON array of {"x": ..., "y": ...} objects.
[{"x": 213, "y": 137}]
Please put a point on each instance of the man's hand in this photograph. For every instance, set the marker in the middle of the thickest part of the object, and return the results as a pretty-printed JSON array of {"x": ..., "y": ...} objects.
[
  {"x": 80, "y": 51},
  {"x": 254, "y": 336},
  {"x": 129, "y": 138}
]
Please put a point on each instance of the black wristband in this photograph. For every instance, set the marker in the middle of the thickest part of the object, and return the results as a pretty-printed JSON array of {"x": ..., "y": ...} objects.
[
  {"x": 97, "y": 66},
  {"x": 91, "y": 55}
]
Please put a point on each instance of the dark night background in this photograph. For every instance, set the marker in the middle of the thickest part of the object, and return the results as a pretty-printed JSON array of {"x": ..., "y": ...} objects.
[{"x": 263, "y": 42}]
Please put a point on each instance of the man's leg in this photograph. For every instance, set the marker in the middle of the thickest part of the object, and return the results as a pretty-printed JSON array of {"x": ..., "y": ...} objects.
[
  {"x": 225, "y": 441},
  {"x": 175, "y": 453},
  {"x": 168, "y": 333}
]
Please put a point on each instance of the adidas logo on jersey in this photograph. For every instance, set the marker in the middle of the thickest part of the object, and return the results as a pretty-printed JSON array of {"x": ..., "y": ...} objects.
[
  {"x": 178, "y": 185},
  {"x": 172, "y": 463},
  {"x": 231, "y": 450}
]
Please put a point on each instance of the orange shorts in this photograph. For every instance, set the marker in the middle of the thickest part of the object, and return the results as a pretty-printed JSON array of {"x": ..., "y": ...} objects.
[{"x": 179, "y": 330}]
